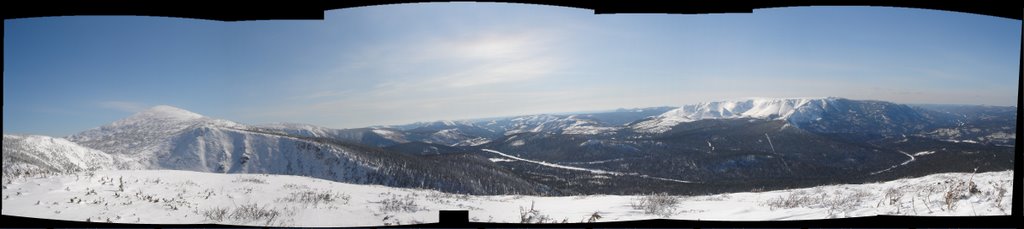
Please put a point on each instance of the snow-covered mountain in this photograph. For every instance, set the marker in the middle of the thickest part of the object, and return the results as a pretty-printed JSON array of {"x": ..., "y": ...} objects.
[
  {"x": 623, "y": 116},
  {"x": 762, "y": 108},
  {"x": 375, "y": 136},
  {"x": 165, "y": 137},
  {"x": 827, "y": 114},
  {"x": 551, "y": 124},
  {"x": 576, "y": 124},
  {"x": 467, "y": 133},
  {"x": 146, "y": 140},
  {"x": 34, "y": 154},
  {"x": 744, "y": 139},
  {"x": 440, "y": 124},
  {"x": 301, "y": 129},
  {"x": 582, "y": 123},
  {"x": 972, "y": 123},
  {"x": 450, "y": 133},
  {"x": 454, "y": 137}
]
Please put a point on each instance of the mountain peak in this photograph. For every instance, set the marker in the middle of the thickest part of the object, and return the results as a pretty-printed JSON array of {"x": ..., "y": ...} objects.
[
  {"x": 443, "y": 124},
  {"x": 165, "y": 111},
  {"x": 148, "y": 131},
  {"x": 799, "y": 108},
  {"x": 158, "y": 114},
  {"x": 763, "y": 100},
  {"x": 793, "y": 98}
]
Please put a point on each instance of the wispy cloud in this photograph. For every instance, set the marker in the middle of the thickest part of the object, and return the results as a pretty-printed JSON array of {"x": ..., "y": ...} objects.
[
  {"x": 124, "y": 106},
  {"x": 474, "y": 60},
  {"x": 525, "y": 69},
  {"x": 437, "y": 62},
  {"x": 434, "y": 76}
]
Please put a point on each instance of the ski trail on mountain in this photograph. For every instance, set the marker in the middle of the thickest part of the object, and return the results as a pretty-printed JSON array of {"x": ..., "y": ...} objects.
[
  {"x": 595, "y": 171},
  {"x": 912, "y": 158}
]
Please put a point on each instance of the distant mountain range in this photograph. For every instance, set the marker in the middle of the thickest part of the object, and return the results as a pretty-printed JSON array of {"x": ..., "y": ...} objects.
[{"x": 701, "y": 148}]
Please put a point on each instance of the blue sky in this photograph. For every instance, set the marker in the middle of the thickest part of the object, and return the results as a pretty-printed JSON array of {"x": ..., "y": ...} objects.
[{"x": 398, "y": 64}]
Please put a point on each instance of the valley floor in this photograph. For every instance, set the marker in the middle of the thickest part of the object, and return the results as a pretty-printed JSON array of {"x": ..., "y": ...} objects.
[{"x": 182, "y": 197}]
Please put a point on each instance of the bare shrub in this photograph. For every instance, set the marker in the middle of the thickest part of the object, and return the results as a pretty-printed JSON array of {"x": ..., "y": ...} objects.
[
  {"x": 395, "y": 204},
  {"x": 532, "y": 215},
  {"x": 254, "y": 213},
  {"x": 294, "y": 186},
  {"x": 390, "y": 220},
  {"x": 924, "y": 193},
  {"x": 835, "y": 202},
  {"x": 720, "y": 197},
  {"x": 216, "y": 214},
  {"x": 317, "y": 197},
  {"x": 893, "y": 196},
  {"x": 446, "y": 198},
  {"x": 842, "y": 202},
  {"x": 795, "y": 199},
  {"x": 660, "y": 204},
  {"x": 594, "y": 217},
  {"x": 244, "y": 213},
  {"x": 999, "y": 192},
  {"x": 250, "y": 180},
  {"x": 957, "y": 190}
]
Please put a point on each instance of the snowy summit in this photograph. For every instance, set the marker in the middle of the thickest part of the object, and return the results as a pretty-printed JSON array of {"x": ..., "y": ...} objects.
[{"x": 759, "y": 108}]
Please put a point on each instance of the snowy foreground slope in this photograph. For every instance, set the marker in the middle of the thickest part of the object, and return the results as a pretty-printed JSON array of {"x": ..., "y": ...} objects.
[{"x": 183, "y": 197}]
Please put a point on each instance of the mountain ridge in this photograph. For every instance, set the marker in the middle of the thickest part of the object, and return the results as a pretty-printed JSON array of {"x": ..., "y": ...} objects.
[
  {"x": 773, "y": 138},
  {"x": 165, "y": 137}
]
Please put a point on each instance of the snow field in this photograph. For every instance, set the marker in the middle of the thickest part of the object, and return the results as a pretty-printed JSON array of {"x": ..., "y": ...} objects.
[{"x": 183, "y": 197}]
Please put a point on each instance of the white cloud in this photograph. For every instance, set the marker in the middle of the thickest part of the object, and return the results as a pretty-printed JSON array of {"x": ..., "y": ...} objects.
[
  {"x": 473, "y": 60},
  {"x": 506, "y": 72}
]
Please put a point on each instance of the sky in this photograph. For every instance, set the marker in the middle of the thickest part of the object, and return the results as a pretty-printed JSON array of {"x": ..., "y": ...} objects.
[{"x": 397, "y": 64}]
